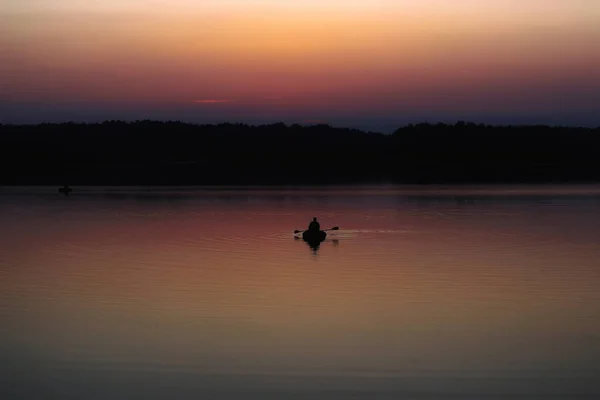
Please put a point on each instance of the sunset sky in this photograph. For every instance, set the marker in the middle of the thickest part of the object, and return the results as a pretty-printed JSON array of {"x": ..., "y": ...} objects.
[{"x": 375, "y": 64}]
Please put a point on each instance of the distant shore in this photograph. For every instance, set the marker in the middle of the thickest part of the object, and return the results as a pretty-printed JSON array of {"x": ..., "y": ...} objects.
[{"x": 174, "y": 153}]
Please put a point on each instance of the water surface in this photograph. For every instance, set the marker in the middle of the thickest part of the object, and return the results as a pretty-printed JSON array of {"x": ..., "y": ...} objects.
[{"x": 423, "y": 293}]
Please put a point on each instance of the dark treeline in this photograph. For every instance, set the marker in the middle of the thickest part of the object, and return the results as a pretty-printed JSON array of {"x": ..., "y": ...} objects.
[{"x": 175, "y": 153}]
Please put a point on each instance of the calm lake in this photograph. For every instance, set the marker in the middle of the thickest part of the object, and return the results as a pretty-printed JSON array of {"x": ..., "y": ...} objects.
[{"x": 485, "y": 292}]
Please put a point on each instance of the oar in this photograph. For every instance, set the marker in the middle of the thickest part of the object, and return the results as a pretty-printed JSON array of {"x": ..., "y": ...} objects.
[{"x": 335, "y": 228}]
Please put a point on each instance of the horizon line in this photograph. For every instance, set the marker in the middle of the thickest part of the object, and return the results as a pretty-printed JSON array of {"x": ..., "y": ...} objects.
[{"x": 311, "y": 123}]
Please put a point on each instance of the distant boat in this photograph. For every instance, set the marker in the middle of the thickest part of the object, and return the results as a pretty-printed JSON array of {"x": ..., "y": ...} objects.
[{"x": 65, "y": 190}]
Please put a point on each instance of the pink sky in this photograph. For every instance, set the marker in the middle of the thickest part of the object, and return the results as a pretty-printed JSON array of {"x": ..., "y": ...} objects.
[{"x": 374, "y": 65}]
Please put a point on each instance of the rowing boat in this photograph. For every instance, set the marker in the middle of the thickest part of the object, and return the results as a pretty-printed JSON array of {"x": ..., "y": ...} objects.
[
  {"x": 65, "y": 190},
  {"x": 314, "y": 236}
]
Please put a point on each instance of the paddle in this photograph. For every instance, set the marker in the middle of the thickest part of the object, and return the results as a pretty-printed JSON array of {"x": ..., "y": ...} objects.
[{"x": 335, "y": 228}]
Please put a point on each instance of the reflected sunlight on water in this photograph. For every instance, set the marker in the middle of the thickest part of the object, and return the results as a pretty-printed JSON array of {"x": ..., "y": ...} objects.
[{"x": 186, "y": 293}]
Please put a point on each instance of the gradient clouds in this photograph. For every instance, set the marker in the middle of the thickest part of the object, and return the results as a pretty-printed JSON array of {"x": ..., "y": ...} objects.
[{"x": 347, "y": 62}]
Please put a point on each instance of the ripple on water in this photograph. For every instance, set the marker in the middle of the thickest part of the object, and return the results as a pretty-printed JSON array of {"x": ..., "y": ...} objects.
[{"x": 499, "y": 285}]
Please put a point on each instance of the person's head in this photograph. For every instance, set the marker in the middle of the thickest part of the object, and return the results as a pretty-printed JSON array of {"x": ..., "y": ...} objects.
[{"x": 315, "y": 219}]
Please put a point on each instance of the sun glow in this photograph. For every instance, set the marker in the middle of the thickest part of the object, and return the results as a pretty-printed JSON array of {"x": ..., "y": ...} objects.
[{"x": 437, "y": 55}]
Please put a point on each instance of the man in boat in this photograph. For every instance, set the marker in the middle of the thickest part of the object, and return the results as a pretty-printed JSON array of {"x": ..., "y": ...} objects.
[{"x": 314, "y": 225}]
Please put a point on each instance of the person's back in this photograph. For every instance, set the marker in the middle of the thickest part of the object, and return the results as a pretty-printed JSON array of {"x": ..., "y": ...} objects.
[{"x": 314, "y": 225}]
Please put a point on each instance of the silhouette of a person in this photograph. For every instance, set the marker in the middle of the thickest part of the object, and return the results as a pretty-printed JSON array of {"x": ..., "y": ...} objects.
[{"x": 314, "y": 225}]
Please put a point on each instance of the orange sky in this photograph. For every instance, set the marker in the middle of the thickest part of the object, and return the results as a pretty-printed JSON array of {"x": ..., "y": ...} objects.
[{"x": 344, "y": 62}]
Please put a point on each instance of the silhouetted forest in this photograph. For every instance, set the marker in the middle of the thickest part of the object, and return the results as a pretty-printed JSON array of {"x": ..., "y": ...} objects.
[{"x": 175, "y": 153}]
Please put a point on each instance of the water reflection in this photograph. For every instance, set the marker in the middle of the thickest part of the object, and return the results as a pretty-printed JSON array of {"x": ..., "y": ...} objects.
[
  {"x": 491, "y": 298},
  {"x": 315, "y": 245},
  {"x": 311, "y": 245}
]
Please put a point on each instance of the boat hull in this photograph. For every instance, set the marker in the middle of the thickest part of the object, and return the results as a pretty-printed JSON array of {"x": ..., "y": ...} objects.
[{"x": 314, "y": 236}]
